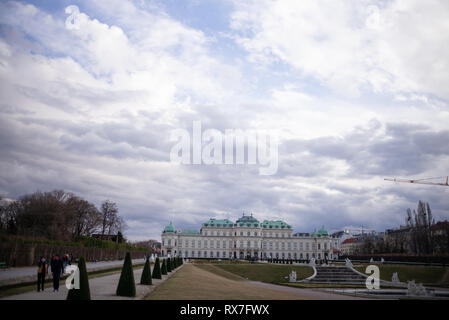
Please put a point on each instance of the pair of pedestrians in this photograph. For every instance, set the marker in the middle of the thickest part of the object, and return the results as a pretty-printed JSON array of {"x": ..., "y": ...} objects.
[{"x": 56, "y": 268}]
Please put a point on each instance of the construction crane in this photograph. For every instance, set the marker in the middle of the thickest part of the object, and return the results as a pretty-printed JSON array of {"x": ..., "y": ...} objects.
[{"x": 422, "y": 181}]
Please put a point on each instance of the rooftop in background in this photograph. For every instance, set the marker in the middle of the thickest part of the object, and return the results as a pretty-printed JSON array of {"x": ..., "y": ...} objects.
[
  {"x": 277, "y": 224},
  {"x": 170, "y": 228},
  {"x": 247, "y": 219},
  {"x": 218, "y": 223},
  {"x": 320, "y": 233},
  {"x": 347, "y": 241}
]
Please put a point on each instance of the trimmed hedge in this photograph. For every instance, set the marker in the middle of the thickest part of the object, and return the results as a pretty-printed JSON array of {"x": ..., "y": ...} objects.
[
  {"x": 146, "y": 274},
  {"x": 157, "y": 270},
  {"x": 83, "y": 293},
  {"x": 126, "y": 285}
]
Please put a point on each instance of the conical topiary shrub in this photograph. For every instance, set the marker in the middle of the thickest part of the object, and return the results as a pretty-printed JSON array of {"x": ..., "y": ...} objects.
[
  {"x": 83, "y": 293},
  {"x": 157, "y": 270},
  {"x": 169, "y": 268},
  {"x": 175, "y": 262},
  {"x": 164, "y": 267},
  {"x": 146, "y": 274},
  {"x": 126, "y": 285}
]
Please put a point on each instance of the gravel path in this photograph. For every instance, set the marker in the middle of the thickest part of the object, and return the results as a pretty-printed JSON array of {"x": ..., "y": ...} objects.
[
  {"x": 25, "y": 274},
  {"x": 101, "y": 288}
]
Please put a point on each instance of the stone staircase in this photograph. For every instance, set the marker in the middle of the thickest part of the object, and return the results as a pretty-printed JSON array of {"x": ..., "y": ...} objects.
[{"x": 338, "y": 275}]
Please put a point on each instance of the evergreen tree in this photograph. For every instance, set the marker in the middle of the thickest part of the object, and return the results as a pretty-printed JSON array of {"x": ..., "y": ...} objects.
[
  {"x": 164, "y": 267},
  {"x": 146, "y": 273},
  {"x": 126, "y": 285},
  {"x": 157, "y": 270},
  {"x": 83, "y": 293}
]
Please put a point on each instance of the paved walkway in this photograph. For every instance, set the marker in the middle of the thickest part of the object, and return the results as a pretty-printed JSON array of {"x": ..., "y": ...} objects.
[
  {"x": 101, "y": 288},
  {"x": 26, "y": 274}
]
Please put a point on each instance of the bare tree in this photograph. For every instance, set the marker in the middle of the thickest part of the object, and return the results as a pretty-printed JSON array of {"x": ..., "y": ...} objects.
[
  {"x": 87, "y": 218},
  {"x": 109, "y": 216}
]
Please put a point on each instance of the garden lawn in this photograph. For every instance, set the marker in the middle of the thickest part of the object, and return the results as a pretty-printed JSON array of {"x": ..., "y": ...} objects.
[
  {"x": 421, "y": 274},
  {"x": 267, "y": 272}
]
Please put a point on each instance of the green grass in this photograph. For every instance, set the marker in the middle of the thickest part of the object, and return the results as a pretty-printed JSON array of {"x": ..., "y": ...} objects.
[
  {"x": 207, "y": 261},
  {"x": 421, "y": 274},
  {"x": 266, "y": 272}
]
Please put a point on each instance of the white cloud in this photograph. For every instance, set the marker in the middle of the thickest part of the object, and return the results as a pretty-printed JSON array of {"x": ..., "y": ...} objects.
[{"x": 392, "y": 46}]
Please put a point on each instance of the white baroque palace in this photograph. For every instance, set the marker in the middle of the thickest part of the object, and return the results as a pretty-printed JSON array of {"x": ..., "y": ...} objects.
[{"x": 247, "y": 238}]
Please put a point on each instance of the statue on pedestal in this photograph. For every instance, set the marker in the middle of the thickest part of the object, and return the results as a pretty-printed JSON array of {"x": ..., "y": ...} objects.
[
  {"x": 292, "y": 276},
  {"x": 395, "y": 278},
  {"x": 349, "y": 263},
  {"x": 414, "y": 289},
  {"x": 312, "y": 262}
]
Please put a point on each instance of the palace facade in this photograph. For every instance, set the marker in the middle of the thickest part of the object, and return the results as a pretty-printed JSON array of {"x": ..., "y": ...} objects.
[{"x": 247, "y": 238}]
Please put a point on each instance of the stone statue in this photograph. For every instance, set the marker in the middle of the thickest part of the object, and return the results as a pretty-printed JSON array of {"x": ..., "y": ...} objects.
[
  {"x": 349, "y": 263},
  {"x": 293, "y": 276},
  {"x": 382, "y": 260},
  {"x": 371, "y": 260},
  {"x": 312, "y": 262},
  {"x": 395, "y": 278},
  {"x": 414, "y": 289},
  {"x": 152, "y": 259}
]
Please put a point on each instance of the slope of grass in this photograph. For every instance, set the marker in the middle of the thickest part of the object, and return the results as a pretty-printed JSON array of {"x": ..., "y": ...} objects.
[
  {"x": 267, "y": 272},
  {"x": 421, "y": 274},
  {"x": 195, "y": 283}
]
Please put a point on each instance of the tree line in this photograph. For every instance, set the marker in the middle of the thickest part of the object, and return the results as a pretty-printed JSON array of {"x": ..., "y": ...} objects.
[
  {"x": 420, "y": 235},
  {"x": 58, "y": 215}
]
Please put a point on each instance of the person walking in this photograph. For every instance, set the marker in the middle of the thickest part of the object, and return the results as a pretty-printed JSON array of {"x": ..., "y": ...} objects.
[
  {"x": 42, "y": 270},
  {"x": 57, "y": 268},
  {"x": 65, "y": 260}
]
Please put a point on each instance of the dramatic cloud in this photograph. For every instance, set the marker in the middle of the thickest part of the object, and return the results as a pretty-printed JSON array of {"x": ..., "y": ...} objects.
[{"x": 355, "y": 91}]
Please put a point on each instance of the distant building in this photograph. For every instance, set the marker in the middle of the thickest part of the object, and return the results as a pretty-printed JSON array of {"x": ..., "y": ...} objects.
[
  {"x": 246, "y": 238},
  {"x": 347, "y": 247}
]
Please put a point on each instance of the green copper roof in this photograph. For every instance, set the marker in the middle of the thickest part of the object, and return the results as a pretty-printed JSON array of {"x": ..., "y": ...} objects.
[
  {"x": 247, "y": 220},
  {"x": 218, "y": 223},
  {"x": 278, "y": 224},
  {"x": 189, "y": 232},
  {"x": 170, "y": 228},
  {"x": 320, "y": 233}
]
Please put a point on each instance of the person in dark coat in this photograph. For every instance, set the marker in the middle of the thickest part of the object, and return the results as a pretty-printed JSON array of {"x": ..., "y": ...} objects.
[
  {"x": 57, "y": 269},
  {"x": 42, "y": 270}
]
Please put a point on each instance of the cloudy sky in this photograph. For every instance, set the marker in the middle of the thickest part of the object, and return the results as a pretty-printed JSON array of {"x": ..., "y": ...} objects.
[{"x": 355, "y": 91}]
